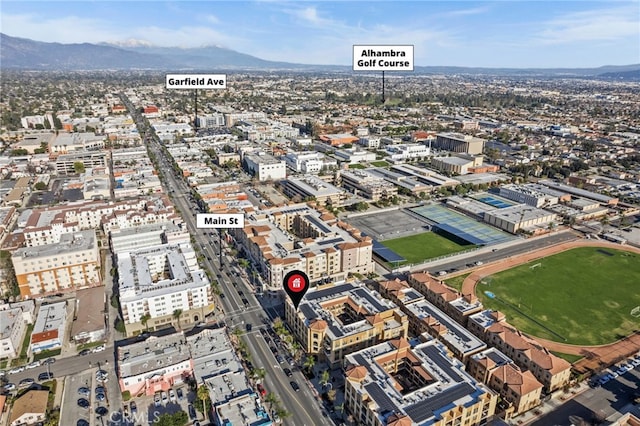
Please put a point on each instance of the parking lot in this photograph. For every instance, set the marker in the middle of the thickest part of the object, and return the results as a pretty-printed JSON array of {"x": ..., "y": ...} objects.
[
  {"x": 388, "y": 224},
  {"x": 148, "y": 410},
  {"x": 103, "y": 396}
]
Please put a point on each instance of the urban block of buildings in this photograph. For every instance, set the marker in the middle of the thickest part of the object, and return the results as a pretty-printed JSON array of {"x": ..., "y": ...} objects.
[
  {"x": 335, "y": 320},
  {"x": 283, "y": 239},
  {"x": 396, "y": 383}
]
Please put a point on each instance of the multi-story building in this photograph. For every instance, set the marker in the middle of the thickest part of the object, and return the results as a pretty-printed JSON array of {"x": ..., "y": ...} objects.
[
  {"x": 283, "y": 239},
  {"x": 313, "y": 188},
  {"x": 335, "y": 320},
  {"x": 458, "y": 164},
  {"x": 552, "y": 371},
  {"x": 454, "y": 304},
  {"x": 456, "y": 142},
  {"x": 424, "y": 317},
  {"x": 519, "y": 390},
  {"x": 72, "y": 263},
  {"x": 66, "y": 163},
  {"x": 156, "y": 282},
  {"x": 404, "y": 152},
  {"x": 49, "y": 329},
  {"x": 393, "y": 383},
  {"x": 308, "y": 162},
  {"x": 127, "y": 239},
  {"x": 154, "y": 364},
  {"x": 65, "y": 143},
  {"x": 12, "y": 332},
  {"x": 532, "y": 195},
  {"x": 363, "y": 183},
  {"x": 264, "y": 166},
  {"x": 210, "y": 121}
]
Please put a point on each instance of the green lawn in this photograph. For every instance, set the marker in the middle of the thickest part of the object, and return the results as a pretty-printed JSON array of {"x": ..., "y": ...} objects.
[
  {"x": 379, "y": 163},
  {"x": 417, "y": 248},
  {"x": 356, "y": 166},
  {"x": 456, "y": 282},
  {"x": 584, "y": 295}
]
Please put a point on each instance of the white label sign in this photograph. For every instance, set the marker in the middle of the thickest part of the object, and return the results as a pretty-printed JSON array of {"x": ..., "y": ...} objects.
[
  {"x": 382, "y": 58},
  {"x": 220, "y": 221},
  {"x": 196, "y": 81}
]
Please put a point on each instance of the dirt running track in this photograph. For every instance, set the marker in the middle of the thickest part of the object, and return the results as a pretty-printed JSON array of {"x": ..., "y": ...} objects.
[{"x": 594, "y": 356}]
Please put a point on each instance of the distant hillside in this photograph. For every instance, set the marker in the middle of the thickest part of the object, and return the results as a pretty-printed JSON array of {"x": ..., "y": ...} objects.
[{"x": 22, "y": 53}]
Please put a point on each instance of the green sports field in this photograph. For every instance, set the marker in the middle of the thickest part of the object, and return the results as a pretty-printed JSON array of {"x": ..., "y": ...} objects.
[
  {"x": 417, "y": 248},
  {"x": 584, "y": 295}
]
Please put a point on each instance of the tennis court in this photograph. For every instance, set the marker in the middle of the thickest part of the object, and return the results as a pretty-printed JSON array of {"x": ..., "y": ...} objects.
[
  {"x": 460, "y": 226},
  {"x": 493, "y": 201}
]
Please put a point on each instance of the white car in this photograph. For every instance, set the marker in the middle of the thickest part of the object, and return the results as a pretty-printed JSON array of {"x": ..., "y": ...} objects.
[
  {"x": 165, "y": 398},
  {"x": 17, "y": 370},
  {"x": 99, "y": 348},
  {"x": 34, "y": 364},
  {"x": 172, "y": 395}
]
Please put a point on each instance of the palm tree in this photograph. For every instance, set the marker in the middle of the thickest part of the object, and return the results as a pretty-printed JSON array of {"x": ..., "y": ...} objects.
[
  {"x": 295, "y": 349},
  {"x": 325, "y": 376},
  {"x": 176, "y": 315},
  {"x": 203, "y": 394},
  {"x": 272, "y": 399},
  {"x": 144, "y": 319},
  {"x": 309, "y": 363},
  {"x": 340, "y": 408},
  {"x": 282, "y": 413},
  {"x": 259, "y": 374}
]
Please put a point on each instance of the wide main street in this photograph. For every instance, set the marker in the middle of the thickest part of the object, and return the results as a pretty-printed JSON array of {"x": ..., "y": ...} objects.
[{"x": 302, "y": 406}]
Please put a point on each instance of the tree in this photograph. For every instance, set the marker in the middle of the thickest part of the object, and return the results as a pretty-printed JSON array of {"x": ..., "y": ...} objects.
[
  {"x": 325, "y": 376},
  {"x": 144, "y": 319},
  {"x": 179, "y": 418},
  {"x": 259, "y": 374},
  {"x": 203, "y": 394},
  {"x": 282, "y": 413},
  {"x": 78, "y": 167},
  {"x": 331, "y": 395},
  {"x": 176, "y": 315},
  {"x": 272, "y": 399},
  {"x": 309, "y": 363},
  {"x": 41, "y": 186}
]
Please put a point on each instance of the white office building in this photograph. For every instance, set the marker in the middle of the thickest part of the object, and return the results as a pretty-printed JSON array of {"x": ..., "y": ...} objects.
[{"x": 265, "y": 166}]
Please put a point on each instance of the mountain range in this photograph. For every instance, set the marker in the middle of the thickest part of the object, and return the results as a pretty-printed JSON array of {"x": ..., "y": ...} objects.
[{"x": 26, "y": 54}]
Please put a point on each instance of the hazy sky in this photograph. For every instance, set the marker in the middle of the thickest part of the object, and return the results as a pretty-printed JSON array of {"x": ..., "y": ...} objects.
[{"x": 560, "y": 33}]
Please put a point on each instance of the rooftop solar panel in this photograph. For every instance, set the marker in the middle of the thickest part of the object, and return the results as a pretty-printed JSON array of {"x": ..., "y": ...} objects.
[
  {"x": 435, "y": 355},
  {"x": 424, "y": 409},
  {"x": 380, "y": 397}
]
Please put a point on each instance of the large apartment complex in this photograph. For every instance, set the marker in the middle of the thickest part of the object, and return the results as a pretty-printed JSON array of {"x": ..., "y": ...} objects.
[
  {"x": 335, "y": 320},
  {"x": 156, "y": 282},
  {"x": 70, "y": 264},
  {"x": 299, "y": 237},
  {"x": 395, "y": 383}
]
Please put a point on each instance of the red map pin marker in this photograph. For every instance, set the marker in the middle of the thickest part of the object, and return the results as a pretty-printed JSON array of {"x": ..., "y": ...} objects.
[{"x": 296, "y": 285}]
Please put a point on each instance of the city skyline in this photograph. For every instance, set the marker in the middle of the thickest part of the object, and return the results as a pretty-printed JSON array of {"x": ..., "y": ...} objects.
[{"x": 534, "y": 34}]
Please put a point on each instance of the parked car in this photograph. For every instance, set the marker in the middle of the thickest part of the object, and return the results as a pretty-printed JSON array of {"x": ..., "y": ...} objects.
[
  {"x": 45, "y": 376},
  {"x": 17, "y": 370},
  {"x": 82, "y": 422},
  {"x": 34, "y": 364},
  {"x": 192, "y": 412},
  {"x": 288, "y": 372},
  {"x": 133, "y": 407},
  {"x": 261, "y": 390},
  {"x": 180, "y": 393},
  {"x": 83, "y": 403},
  {"x": 49, "y": 361},
  {"x": 102, "y": 411},
  {"x": 25, "y": 383},
  {"x": 172, "y": 395},
  {"x": 84, "y": 391},
  {"x": 84, "y": 352},
  {"x": 100, "y": 397},
  {"x": 9, "y": 387},
  {"x": 156, "y": 399},
  {"x": 295, "y": 386},
  {"x": 165, "y": 398},
  {"x": 99, "y": 348}
]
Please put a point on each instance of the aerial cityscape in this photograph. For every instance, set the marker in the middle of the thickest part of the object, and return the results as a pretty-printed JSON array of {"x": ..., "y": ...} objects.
[{"x": 332, "y": 213}]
